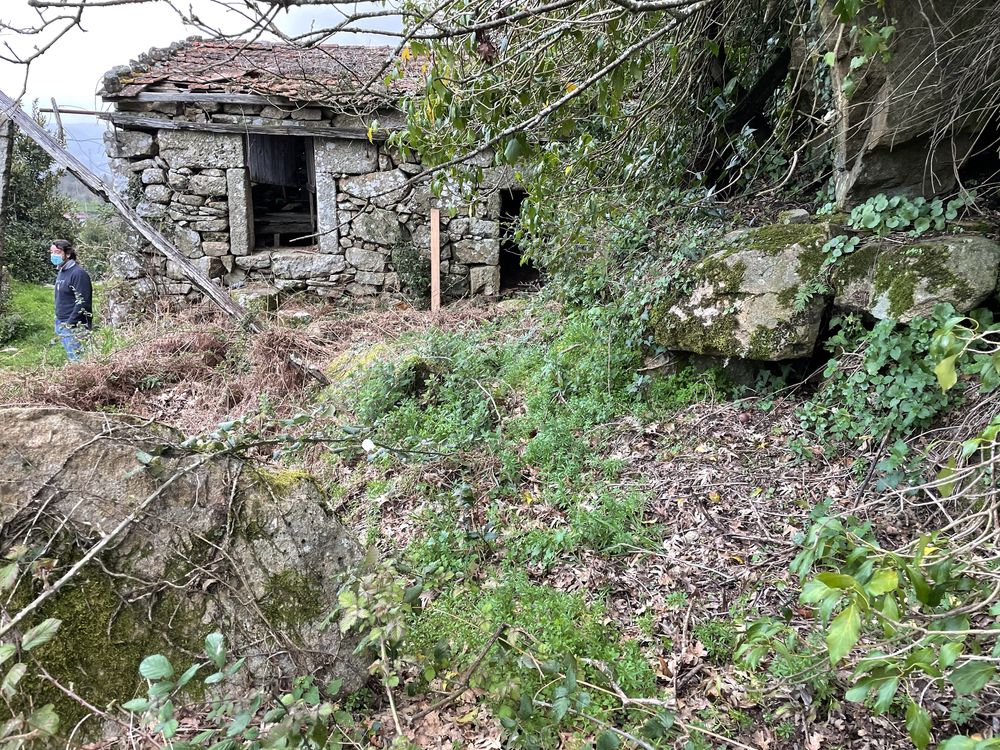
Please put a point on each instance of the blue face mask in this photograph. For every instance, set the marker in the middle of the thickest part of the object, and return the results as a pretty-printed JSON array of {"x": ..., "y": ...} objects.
[{"x": 57, "y": 260}]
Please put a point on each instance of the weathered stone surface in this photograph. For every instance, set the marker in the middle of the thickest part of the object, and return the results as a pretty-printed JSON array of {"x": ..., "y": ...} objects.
[
  {"x": 466, "y": 227},
  {"x": 884, "y": 130},
  {"x": 211, "y": 225},
  {"x": 241, "y": 239},
  {"x": 794, "y": 216},
  {"x": 158, "y": 193},
  {"x": 216, "y": 249},
  {"x": 254, "y": 262},
  {"x": 211, "y": 267},
  {"x": 378, "y": 226},
  {"x": 455, "y": 284},
  {"x": 743, "y": 297},
  {"x": 129, "y": 144},
  {"x": 191, "y": 148},
  {"x": 366, "y": 260},
  {"x": 381, "y": 188},
  {"x": 345, "y": 156},
  {"x": 297, "y": 264},
  {"x": 484, "y": 280},
  {"x": 485, "y": 252},
  {"x": 187, "y": 241},
  {"x": 153, "y": 176},
  {"x": 126, "y": 265},
  {"x": 226, "y": 546},
  {"x": 327, "y": 216},
  {"x": 202, "y": 184},
  {"x": 310, "y": 114},
  {"x": 258, "y": 298},
  {"x": 905, "y": 282},
  {"x": 151, "y": 210},
  {"x": 367, "y": 277},
  {"x": 190, "y": 200}
]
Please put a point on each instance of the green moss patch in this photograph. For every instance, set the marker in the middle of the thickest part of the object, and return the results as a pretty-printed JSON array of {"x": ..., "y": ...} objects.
[{"x": 292, "y": 599}]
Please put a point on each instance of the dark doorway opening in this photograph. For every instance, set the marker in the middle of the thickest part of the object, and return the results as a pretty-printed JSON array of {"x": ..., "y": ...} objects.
[
  {"x": 515, "y": 270},
  {"x": 283, "y": 190}
]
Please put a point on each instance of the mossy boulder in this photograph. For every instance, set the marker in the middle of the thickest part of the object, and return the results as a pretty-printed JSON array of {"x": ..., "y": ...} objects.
[
  {"x": 223, "y": 545},
  {"x": 742, "y": 299},
  {"x": 903, "y": 282}
]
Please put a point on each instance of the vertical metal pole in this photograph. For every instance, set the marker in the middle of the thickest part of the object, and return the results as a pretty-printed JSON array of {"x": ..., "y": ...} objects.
[{"x": 435, "y": 260}]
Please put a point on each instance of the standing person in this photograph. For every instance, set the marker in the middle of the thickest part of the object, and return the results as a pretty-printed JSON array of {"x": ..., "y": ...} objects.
[{"x": 73, "y": 298}]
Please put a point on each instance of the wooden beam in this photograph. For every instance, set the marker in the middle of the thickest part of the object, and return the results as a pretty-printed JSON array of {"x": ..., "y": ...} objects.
[
  {"x": 435, "y": 260},
  {"x": 10, "y": 108},
  {"x": 127, "y": 119},
  {"x": 6, "y": 153},
  {"x": 190, "y": 97}
]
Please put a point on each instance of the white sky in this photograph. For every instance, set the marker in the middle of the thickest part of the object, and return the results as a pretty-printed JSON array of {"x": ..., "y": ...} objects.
[{"x": 71, "y": 71}]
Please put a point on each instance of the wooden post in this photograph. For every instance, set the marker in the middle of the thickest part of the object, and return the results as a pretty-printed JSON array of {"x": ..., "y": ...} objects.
[
  {"x": 435, "y": 260},
  {"x": 6, "y": 154}
]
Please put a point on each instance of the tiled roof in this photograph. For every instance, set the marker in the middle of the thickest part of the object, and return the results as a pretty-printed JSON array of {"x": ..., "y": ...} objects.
[{"x": 327, "y": 73}]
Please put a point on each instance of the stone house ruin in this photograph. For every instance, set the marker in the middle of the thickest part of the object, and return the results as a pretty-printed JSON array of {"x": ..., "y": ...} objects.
[{"x": 259, "y": 161}]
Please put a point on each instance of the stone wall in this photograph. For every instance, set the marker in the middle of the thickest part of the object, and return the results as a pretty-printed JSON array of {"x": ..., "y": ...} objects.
[{"x": 195, "y": 185}]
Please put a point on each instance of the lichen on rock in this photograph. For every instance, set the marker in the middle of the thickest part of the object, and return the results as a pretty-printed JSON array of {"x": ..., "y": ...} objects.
[
  {"x": 742, "y": 298},
  {"x": 901, "y": 283},
  {"x": 223, "y": 546}
]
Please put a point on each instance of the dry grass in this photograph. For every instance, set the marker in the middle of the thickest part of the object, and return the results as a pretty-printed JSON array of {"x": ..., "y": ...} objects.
[{"x": 195, "y": 369}]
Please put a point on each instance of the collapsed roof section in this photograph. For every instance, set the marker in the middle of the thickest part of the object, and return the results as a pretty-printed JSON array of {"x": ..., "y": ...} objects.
[{"x": 332, "y": 75}]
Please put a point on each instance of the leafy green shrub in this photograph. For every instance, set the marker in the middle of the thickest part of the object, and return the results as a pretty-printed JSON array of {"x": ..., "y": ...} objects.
[
  {"x": 37, "y": 214},
  {"x": 882, "y": 214},
  {"x": 879, "y": 384},
  {"x": 11, "y": 324}
]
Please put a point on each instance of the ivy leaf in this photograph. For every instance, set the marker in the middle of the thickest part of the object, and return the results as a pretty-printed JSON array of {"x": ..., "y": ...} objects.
[
  {"x": 949, "y": 653},
  {"x": 240, "y": 722},
  {"x": 972, "y": 677},
  {"x": 8, "y": 576},
  {"x": 40, "y": 634},
  {"x": 6, "y": 651},
  {"x": 945, "y": 371},
  {"x": 156, "y": 667},
  {"x": 559, "y": 708},
  {"x": 918, "y": 724},
  {"x": 844, "y": 632}
]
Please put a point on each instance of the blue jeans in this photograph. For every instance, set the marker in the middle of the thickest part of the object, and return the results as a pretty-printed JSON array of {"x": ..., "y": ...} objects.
[{"x": 72, "y": 338}]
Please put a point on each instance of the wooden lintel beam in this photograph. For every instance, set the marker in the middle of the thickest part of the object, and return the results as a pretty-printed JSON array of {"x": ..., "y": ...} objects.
[{"x": 127, "y": 119}]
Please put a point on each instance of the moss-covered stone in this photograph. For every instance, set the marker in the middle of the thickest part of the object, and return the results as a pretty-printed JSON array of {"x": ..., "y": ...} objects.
[
  {"x": 742, "y": 300},
  {"x": 903, "y": 282},
  {"x": 101, "y": 642},
  {"x": 292, "y": 599}
]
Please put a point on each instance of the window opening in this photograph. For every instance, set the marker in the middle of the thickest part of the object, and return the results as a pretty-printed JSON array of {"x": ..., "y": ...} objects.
[
  {"x": 513, "y": 273},
  {"x": 283, "y": 190}
]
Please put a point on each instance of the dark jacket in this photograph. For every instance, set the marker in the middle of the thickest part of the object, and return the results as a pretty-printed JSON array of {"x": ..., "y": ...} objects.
[{"x": 74, "y": 297}]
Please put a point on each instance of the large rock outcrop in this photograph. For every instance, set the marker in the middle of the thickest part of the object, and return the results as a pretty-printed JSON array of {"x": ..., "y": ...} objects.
[
  {"x": 742, "y": 299},
  {"x": 906, "y": 123},
  {"x": 223, "y": 546},
  {"x": 903, "y": 282}
]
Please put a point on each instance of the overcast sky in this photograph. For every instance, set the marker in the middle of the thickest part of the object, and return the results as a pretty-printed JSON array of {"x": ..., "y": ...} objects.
[{"x": 71, "y": 71}]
